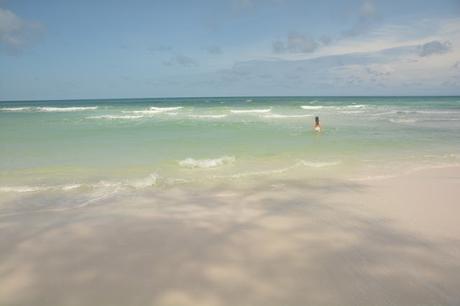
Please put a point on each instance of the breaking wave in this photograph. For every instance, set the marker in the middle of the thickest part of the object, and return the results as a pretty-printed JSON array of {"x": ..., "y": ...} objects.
[
  {"x": 49, "y": 109},
  {"x": 66, "y": 109},
  {"x": 206, "y": 163},
  {"x": 312, "y": 107},
  {"x": 154, "y": 110},
  {"x": 209, "y": 116},
  {"x": 14, "y": 109},
  {"x": 279, "y": 116},
  {"x": 114, "y": 117},
  {"x": 356, "y": 106},
  {"x": 248, "y": 111}
]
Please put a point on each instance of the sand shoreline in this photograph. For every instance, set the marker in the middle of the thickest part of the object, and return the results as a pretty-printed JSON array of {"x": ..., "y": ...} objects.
[{"x": 325, "y": 242}]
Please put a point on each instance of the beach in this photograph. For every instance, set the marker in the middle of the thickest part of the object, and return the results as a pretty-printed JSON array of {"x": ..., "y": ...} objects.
[
  {"x": 230, "y": 153},
  {"x": 230, "y": 201},
  {"x": 392, "y": 241}
]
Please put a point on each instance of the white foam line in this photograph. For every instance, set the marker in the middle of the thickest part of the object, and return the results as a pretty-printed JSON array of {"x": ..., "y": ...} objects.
[
  {"x": 208, "y": 116},
  {"x": 279, "y": 116},
  {"x": 356, "y": 106},
  {"x": 257, "y": 173},
  {"x": 49, "y": 109},
  {"x": 311, "y": 107},
  {"x": 65, "y": 109},
  {"x": 84, "y": 204},
  {"x": 244, "y": 111},
  {"x": 352, "y": 112},
  {"x": 282, "y": 170},
  {"x": 155, "y": 111},
  {"x": 320, "y": 164},
  {"x": 206, "y": 163},
  {"x": 14, "y": 109},
  {"x": 402, "y": 120},
  {"x": 165, "y": 109},
  {"x": 114, "y": 117}
]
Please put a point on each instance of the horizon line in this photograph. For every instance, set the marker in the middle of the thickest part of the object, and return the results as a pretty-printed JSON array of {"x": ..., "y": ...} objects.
[{"x": 243, "y": 96}]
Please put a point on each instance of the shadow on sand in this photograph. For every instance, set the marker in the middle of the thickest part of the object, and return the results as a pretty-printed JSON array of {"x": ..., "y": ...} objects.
[{"x": 277, "y": 243}]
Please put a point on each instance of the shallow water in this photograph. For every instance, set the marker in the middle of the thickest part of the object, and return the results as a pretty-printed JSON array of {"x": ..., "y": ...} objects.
[{"x": 144, "y": 143}]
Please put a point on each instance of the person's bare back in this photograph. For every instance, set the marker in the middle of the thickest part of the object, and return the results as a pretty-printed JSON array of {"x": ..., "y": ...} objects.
[{"x": 317, "y": 125}]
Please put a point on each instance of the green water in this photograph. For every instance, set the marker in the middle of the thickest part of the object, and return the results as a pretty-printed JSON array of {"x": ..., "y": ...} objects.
[{"x": 147, "y": 141}]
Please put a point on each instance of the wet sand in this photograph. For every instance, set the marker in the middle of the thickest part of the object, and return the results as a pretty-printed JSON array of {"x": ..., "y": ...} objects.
[{"x": 319, "y": 242}]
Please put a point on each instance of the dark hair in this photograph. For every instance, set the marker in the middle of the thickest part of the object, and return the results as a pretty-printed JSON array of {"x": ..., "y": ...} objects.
[{"x": 317, "y": 120}]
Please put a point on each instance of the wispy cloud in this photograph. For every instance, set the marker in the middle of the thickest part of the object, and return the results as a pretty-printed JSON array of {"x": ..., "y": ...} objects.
[
  {"x": 250, "y": 4},
  {"x": 17, "y": 33},
  {"x": 295, "y": 43},
  {"x": 161, "y": 48},
  {"x": 367, "y": 16},
  {"x": 435, "y": 47},
  {"x": 181, "y": 60},
  {"x": 215, "y": 50},
  {"x": 430, "y": 36}
]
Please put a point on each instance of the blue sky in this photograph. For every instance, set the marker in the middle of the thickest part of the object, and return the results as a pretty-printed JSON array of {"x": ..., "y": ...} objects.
[{"x": 115, "y": 49}]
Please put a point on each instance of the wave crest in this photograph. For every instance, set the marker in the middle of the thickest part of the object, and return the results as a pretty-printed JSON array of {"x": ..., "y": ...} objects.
[
  {"x": 209, "y": 116},
  {"x": 113, "y": 117},
  {"x": 279, "y": 116},
  {"x": 206, "y": 163},
  {"x": 66, "y": 109},
  {"x": 311, "y": 107},
  {"x": 248, "y": 111},
  {"x": 49, "y": 109},
  {"x": 14, "y": 109}
]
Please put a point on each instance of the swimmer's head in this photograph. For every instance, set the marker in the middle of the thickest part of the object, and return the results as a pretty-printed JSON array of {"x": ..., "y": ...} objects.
[{"x": 316, "y": 120}]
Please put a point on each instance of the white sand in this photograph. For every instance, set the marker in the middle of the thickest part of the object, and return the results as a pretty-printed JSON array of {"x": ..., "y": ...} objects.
[{"x": 325, "y": 242}]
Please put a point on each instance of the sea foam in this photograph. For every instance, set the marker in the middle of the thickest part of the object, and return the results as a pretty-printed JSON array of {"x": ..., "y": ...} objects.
[
  {"x": 14, "y": 109},
  {"x": 165, "y": 109},
  {"x": 208, "y": 116},
  {"x": 403, "y": 120},
  {"x": 356, "y": 106},
  {"x": 155, "y": 110},
  {"x": 312, "y": 107},
  {"x": 279, "y": 116},
  {"x": 244, "y": 111},
  {"x": 114, "y": 117},
  {"x": 66, "y": 109},
  {"x": 319, "y": 164},
  {"x": 148, "y": 181},
  {"x": 206, "y": 163},
  {"x": 22, "y": 188},
  {"x": 49, "y": 109}
]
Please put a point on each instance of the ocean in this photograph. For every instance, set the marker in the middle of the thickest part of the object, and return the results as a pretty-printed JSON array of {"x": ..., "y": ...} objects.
[{"x": 129, "y": 145}]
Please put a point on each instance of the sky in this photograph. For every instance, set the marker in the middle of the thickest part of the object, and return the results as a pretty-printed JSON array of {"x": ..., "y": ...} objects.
[{"x": 59, "y": 49}]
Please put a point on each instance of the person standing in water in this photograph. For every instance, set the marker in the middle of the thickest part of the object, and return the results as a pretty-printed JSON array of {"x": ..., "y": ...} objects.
[{"x": 317, "y": 125}]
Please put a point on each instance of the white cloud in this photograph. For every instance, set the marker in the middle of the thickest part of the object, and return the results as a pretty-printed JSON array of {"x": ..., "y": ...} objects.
[
  {"x": 16, "y": 33},
  {"x": 446, "y": 31},
  {"x": 385, "y": 66}
]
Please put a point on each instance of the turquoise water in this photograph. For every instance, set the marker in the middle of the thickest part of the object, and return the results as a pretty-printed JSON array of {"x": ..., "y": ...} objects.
[{"x": 143, "y": 143}]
